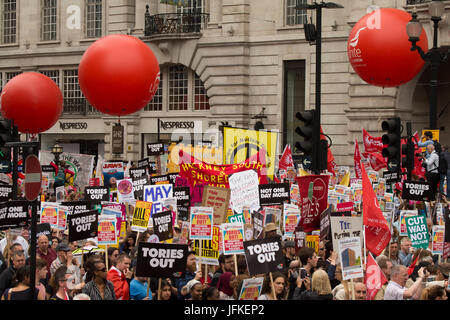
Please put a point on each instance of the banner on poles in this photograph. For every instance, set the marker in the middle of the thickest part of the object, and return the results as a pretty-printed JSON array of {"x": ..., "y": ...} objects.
[{"x": 160, "y": 260}]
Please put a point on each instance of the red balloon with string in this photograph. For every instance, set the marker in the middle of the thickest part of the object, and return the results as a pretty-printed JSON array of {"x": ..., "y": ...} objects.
[
  {"x": 118, "y": 74},
  {"x": 32, "y": 101},
  {"x": 379, "y": 50}
]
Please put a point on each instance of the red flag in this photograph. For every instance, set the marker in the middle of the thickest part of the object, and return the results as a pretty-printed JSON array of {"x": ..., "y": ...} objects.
[
  {"x": 376, "y": 160},
  {"x": 418, "y": 169},
  {"x": 286, "y": 159},
  {"x": 375, "y": 277},
  {"x": 331, "y": 164},
  {"x": 371, "y": 144},
  {"x": 377, "y": 230},
  {"x": 357, "y": 158}
]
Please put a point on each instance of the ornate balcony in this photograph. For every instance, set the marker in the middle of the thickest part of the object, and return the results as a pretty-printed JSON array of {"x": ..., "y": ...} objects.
[
  {"x": 415, "y": 2},
  {"x": 174, "y": 23}
]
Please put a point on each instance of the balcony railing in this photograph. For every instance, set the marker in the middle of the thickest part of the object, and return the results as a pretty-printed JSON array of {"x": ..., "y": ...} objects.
[
  {"x": 414, "y": 2},
  {"x": 174, "y": 23},
  {"x": 79, "y": 106}
]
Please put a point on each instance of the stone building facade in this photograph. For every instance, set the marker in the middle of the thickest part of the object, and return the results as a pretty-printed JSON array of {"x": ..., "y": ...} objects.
[{"x": 241, "y": 59}]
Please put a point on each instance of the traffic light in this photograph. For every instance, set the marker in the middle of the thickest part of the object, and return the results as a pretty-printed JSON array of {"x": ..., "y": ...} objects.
[
  {"x": 392, "y": 140},
  {"x": 408, "y": 156},
  {"x": 309, "y": 144},
  {"x": 5, "y": 136}
]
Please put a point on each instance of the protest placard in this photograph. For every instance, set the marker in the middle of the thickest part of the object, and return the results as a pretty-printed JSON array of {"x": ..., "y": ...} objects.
[
  {"x": 416, "y": 190},
  {"x": 125, "y": 190},
  {"x": 312, "y": 241},
  {"x": 233, "y": 238},
  {"x": 251, "y": 288},
  {"x": 325, "y": 225},
  {"x": 112, "y": 171},
  {"x": 62, "y": 218},
  {"x": 5, "y": 192},
  {"x": 156, "y": 194},
  {"x": 83, "y": 225},
  {"x": 417, "y": 231},
  {"x": 160, "y": 260},
  {"x": 106, "y": 234},
  {"x": 217, "y": 198},
  {"x": 313, "y": 200},
  {"x": 155, "y": 149},
  {"x": 96, "y": 193},
  {"x": 300, "y": 238},
  {"x": 44, "y": 229},
  {"x": 344, "y": 206},
  {"x": 345, "y": 227},
  {"x": 264, "y": 256},
  {"x": 244, "y": 190},
  {"x": 201, "y": 219},
  {"x": 141, "y": 216},
  {"x": 164, "y": 179},
  {"x": 209, "y": 253},
  {"x": 403, "y": 215},
  {"x": 350, "y": 257},
  {"x": 119, "y": 215},
  {"x": 138, "y": 185},
  {"x": 274, "y": 194},
  {"x": 437, "y": 246},
  {"x": 138, "y": 173},
  {"x": 162, "y": 225},
  {"x": 295, "y": 194},
  {"x": 74, "y": 207},
  {"x": 258, "y": 225},
  {"x": 60, "y": 194},
  {"x": 49, "y": 213},
  {"x": 291, "y": 215},
  {"x": 237, "y": 218},
  {"x": 13, "y": 214}
]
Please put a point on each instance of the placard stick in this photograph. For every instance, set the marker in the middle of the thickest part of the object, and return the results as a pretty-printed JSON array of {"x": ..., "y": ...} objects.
[
  {"x": 148, "y": 287},
  {"x": 353, "y": 289},
  {"x": 159, "y": 288},
  {"x": 206, "y": 273},
  {"x": 235, "y": 265},
  {"x": 273, "y": 286},
  {"x": 106, "y": 257}
]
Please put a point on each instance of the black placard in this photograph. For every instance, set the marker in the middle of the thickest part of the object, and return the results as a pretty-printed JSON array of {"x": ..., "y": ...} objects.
[
  {"x": 183, "y": 196},
  {"x": 138, "y": 186},
  {"x": 391, "y": 177},
  {"x": 152, "y": 167},
  {"x": 415, "y": 190},
  {"x": 325, "y": 225},
  {"x": 159, "y": 179},
  {"x": 47, "y": 168},
  {"x": 155, "y": 149},
  {"x": 447, "y": 224},
  {"x": 43, "y": 229},
  {"x": 162, "y": 225},
  {"x": 138, "y": 173},
  {"x": 96, "y": 193},
  {"x": 82, "y": 225},
  {"x": 160, "y": 260},
  {"x": 264, "y": 256},
  {"x": 172, "y": 177},
  {"x": 274, "y": 193},
  {"x": 5, "y": 192},
  {"x": 13, "y": 214},
  {"x": 74, "y": 207},
  {"x": 258, "y": 225}
]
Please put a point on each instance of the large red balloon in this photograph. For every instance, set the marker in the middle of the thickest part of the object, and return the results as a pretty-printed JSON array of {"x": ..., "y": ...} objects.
[
  {"x": 379, "y": 50},
  {"x": 118, "y": 74},
  {"x": 32, "y": 101}
]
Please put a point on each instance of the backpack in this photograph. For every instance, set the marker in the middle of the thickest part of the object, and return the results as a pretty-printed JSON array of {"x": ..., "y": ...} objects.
[{"x": 60, "y": 178}]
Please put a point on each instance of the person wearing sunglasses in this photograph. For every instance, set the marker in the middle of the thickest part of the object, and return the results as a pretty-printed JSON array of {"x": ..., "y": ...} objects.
[
  {"x": 99, "y": 288},
  {"x": 59, "y": 283}
]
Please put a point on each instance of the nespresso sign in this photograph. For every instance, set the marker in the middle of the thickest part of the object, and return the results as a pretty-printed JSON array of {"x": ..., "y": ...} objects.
[
  {"x": 73, "y": 125},
  {"x": 167, "y": 125}
]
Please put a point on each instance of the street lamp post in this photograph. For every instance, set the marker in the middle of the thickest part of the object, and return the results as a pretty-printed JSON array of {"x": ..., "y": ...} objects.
[{"x": 434, "y": 56}]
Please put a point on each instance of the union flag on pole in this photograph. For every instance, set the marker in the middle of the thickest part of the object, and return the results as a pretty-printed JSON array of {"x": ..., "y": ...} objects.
[
  {"x": 357, "y": 158},
  {"x": 377, "y": 230},
  {"x": 286, "y": 159},
  {"x": 375, "y": 277},
  {"x": 371, "y": 144}
]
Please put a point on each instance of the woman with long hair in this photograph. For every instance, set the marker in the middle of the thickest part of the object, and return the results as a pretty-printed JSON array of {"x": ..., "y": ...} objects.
[
  {"x": 22, "y": 290},
  {"x": 320, "y": 288},
  {"x": 59, "y": 284},
  {"x": 434, "y": 293},
  {"x": 279, "y": 290}
]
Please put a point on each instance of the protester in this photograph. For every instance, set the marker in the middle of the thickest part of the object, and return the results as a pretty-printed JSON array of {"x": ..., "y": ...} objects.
[
  {"x": 428, "y": 136},
  {"x": 194, "y": 288},
  {"x": 189, "y": 274},
  {"x": 41, "y": 276},
  {"x": 168, "y": 292},
  {"x": 46, "y": 253},
  {"x": 15, "y": 238},
  {"x": 113, "y": 254},
  {"x": 8, "y": 275},
  {"x": 406, "y": 252},
  {"x": 21, "y": 291},
  {"x": 138, "y": 289},
  {"x": 119, "y": 276},
  {"x": 210, "y": 293},
  {"x": 434, "y": 293},
  {"x": 128, "y": 244},
  {"x": 58, "y": 282},
  {"x": 99, "y": 288},
  {"x": 223, "y": 285},
  {"x": 226, "y": 264},
  {"x": 270, "y": 230},
  {"x": 318, "y": 289},
  {"x": 385, "y": 265},
  {"x": 289, "y": 252},
  {"x": 446, "y": 156},
  {"x": 396, "y": 288},
  {"x": 431, "y": 161},
  {"x": 81, "y": 296},
  {"x": 279, "y": 287},
  {"x": 360, "y": 290}
]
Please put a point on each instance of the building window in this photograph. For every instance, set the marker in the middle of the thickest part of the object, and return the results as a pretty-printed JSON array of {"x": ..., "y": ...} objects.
[
  {"x": 9, "y": 21},
  {"x": 156, "y": 104},
  {"x": 199, "y": 5},
  {"x": 93, "y": 18},
  {"x": 48, "y": 20},
  {"x": 294, "y": 99},
  {"x": 52, "y": 74},
  {"x": 294, "y": 16},
  {"x": 10, "y": 75},
  {"x": 201, "y": 101},
  {"x": 74, "y": 101},
  {"x": 178, "y": 88}
]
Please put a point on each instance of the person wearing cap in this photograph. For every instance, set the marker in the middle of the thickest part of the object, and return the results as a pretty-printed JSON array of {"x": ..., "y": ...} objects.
[
  {"x": 195, "y": 289},
  {"x": 65, "y": 258},
  {"x": 270, "y": 230},
  {"x": 289, "y": 252}
]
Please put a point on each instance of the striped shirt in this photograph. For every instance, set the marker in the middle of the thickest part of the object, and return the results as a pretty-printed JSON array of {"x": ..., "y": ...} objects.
[{"x": 92, "y": 291}]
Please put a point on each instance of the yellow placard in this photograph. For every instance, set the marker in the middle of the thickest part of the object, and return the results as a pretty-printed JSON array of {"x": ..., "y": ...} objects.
[
  {"x": 435, "y": 136},
  {"x": 240, "y": 144}
]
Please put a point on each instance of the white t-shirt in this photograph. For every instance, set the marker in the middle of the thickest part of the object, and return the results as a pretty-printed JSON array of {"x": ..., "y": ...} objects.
[{"x": 394, "y": 291}]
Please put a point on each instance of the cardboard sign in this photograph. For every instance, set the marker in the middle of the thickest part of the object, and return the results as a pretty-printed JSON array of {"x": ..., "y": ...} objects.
[
  {"x": 201, "y": 223},
  {"x": 417, "y": 231},
  {"x": 49, "y": 213},
  {"x": 437, "y": 237},
  {"x": 5, "y": 193},
  {"x": 83, "y": 225},
  {"x": 107, "y": 234},
  {"x": 415, "y": 190},
  {"x": 258, "y": 225},
  {"x": 251, "y": 289},
  {"x": 141, "y": 216},
  {"x": 162, "y": 225},
  {"x": 210, "y": 248},
  {"x": 350, "y": 257},
  {"x": 13, "y": 214},
  {"x": 160, "y": 260},
  {"x": 403, "y": 215},
  {"x": 291, "y": 214},
  {"x": 125, "y": 190},
  {"x": 313, "y": 198},
  {"x": 233, "y": 238},
  {"x": 156, "y": 194},
  {"x": 274, "y": 194},
  {"x": 96, "y": 193},
  {"x": 264, "y": 256},
  {"x": 155, "y": 149},
  {"x": 345, "y": 227},
  {"x": 244, "y": 190},
  {"x": 219, "y": 199}
]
